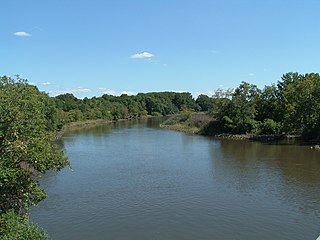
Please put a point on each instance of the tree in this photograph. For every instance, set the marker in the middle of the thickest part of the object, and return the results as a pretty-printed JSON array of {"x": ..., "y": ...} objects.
[
  {"x": 268, "y": 104},
  {"x": 204, "y": 102},
  {"x": 26, "y": 145},
  {"x": 241, "y": 111},
  {"x": 184, "y": 101},
  {"x": 299, "y": 108}
]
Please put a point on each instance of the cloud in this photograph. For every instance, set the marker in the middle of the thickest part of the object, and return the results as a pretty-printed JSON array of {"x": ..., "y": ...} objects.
[
  {"x": 73, "y": 91},
  {"x": 251, "y": 74},
  {"x": 22, "y": 34},
  {"x": 46, "y": 83},
  {"x": 107, "y": 91},
  {"x": 129, "y": 93},
  {"x": 208, "y": 93},
  {"x": 80, "y": 89},
  {"x": 115, "y": 93},
  {"x": 142, "y": 55}
]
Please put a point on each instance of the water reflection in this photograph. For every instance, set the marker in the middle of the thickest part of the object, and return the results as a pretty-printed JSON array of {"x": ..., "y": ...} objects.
[{"x": 289, "y": 172}]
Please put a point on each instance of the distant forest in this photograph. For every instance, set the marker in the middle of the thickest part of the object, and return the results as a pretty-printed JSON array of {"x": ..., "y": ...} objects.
[{"x": 291, "y": 106}]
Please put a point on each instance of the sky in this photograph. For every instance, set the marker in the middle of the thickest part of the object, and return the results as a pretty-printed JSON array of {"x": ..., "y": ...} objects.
[{"x": 93, "y": 47}]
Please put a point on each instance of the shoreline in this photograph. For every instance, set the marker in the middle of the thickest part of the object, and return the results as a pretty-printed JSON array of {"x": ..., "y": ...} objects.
[
  {"x": 73, "y": 126},
  {"x": 197, "y": 131},
  {"x": 263, "y": 138},
  {"x": 179, "y": 127}
]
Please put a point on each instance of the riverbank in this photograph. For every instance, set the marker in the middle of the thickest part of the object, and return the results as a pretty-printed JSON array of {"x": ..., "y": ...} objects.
[
  {"x": 73, "y": 126},
  {"x": 197, "y": 123}
]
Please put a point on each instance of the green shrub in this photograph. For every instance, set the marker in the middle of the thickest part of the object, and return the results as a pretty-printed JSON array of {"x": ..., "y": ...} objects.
[
  {"x": 15, "y": 227},
  {"x": 269, "y": 126}
]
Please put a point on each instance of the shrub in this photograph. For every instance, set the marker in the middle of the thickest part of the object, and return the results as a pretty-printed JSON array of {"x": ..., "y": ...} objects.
[
  {"x": 269, "y": 126},
  {"x": 15, "y": 227}
]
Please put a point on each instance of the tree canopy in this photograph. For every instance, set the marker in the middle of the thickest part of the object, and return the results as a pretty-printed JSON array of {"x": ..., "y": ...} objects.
[
  {"x": 27, "y": 144},
  {"x": 291, "y": 107}
]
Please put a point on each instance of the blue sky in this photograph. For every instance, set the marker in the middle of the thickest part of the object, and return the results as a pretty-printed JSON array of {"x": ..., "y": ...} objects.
[{"x": 91, "y": 47}]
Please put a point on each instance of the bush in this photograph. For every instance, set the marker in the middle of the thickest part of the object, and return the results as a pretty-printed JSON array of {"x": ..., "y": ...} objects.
[
  {"x": 199, "y": 120},
  {"x": 269, "y": 126},
  {"x": 176, "y": 119},
  {"x": 15, "y": 227}
]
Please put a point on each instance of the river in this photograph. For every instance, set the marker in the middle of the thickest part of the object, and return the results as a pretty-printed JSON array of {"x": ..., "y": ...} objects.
[{"x": 133, "y": 180}]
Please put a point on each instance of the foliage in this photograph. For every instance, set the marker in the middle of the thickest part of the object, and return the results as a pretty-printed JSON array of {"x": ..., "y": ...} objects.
[
  {"x": 240, "y": 112},
  {"x": 15, "y": 227},
  {"x": 204, "y": 102},
  {"x": 26, "y": 145},
  {"x": 292, "y": 106},
  {"x": 300, "y": 99},
  {"x": 269, "y": 126},
  {"x": 71, "y": 109}
]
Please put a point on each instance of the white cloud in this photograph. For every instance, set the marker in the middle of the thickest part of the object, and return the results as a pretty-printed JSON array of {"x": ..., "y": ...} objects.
[
  {"x": 129, "y": 93},
  {"x": 73, "y": 91},
  {"x": 80, "y": 89},
  {"x": 107, "y": 91},
  {"x": 115, "y": 93},
  {"x": 251, "y": 74},
  {"x": 197, "y": 94},
  {"x": 142, "y": 55},
  {"x": 58, "y": 92},
  {"x": 22, "y": 34},
  {"x": 46, "y": 83}
]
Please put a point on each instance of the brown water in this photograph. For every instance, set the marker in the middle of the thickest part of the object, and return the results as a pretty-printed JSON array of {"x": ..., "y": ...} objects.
[{"x": 133, "y": 180}]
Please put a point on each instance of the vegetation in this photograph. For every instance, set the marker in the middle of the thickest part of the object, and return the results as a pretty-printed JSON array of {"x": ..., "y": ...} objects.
[
  {"x": 292, "y": 107},
  {"x": 15, "y": 227},
  {"x": 189, "y": 122},
  {"x": 107, "y": 107},
  {"x": 27, "y": 146}
]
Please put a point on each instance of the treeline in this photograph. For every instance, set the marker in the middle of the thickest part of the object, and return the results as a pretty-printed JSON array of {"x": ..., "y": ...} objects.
[
  {"x": 68, "y": 108},
  {"x": 292, "y": 106}
]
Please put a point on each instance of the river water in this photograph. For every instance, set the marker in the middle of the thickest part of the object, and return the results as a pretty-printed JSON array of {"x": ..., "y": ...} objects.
[{"x": 133, "y": 180}]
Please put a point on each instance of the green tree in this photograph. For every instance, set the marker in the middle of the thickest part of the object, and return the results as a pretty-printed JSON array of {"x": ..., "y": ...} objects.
[
  {"x": 26, "y": 146},
  {"x": 302, "y": 101},
  {"x": 241, "y": 111},
  {"x": 204, "y": 102}
]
